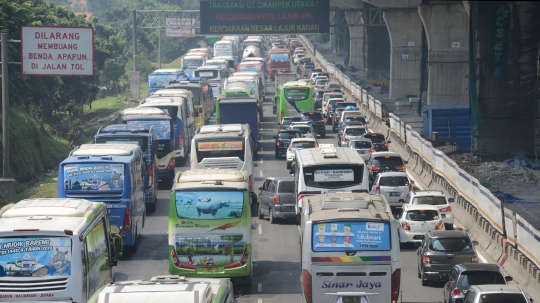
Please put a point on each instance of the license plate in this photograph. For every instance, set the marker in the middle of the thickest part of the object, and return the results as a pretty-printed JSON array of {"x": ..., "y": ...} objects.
[
  {"x": 210, "y": 269},
  {"x": 418, "y": 237},
  {"x": 394, "y": 194},
  {"x": 336, "y": 191}
]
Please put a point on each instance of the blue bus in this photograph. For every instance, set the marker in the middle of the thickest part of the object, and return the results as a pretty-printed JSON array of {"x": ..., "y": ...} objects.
[
  {"x": 146, "y": 138},
  {"x": 110, "y": 173},
  {"x": 164, "y": 124},
  {"x": 159, "y": 78}
]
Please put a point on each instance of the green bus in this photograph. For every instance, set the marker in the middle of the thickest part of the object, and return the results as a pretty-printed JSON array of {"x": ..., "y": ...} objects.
[
  {"x": 294, "y": 97},
  {"x": 209, "y": 231}
]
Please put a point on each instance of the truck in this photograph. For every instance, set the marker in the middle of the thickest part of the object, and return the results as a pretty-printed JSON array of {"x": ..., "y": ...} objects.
[
  {"x": 278, "y": 59},
  {"x": 242, "y": 111},
  {"x": 282, "y": 78}
]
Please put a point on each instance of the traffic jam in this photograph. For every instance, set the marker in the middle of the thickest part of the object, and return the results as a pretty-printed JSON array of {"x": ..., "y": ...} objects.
[{"x": 196, "y": 145}]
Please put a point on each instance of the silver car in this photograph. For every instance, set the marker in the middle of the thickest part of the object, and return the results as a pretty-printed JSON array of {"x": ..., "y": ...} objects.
[
  {"x": 394, "y": 186},
  {"x": 351, "y": 133},
  {"x": 363, "y": 147}
]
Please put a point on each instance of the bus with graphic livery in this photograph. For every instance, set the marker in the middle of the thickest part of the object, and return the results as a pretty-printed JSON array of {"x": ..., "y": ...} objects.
[
  {"x": 209, "y": 231},
  {"x": 294, "y": 97},
  {"x": 110, "y": 173},
  {"x": 203, "y": 97}
]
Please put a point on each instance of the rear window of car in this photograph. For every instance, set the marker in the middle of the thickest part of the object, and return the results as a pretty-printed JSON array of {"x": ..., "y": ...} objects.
[
  {"x": 345, "y": 104},
  {"x": 354, "y": 118},
  {"x": 303, "y": 130},
  {"x": 288, "y": 135},
  {"x": 479, "y": 277},
  {"x": 303, "y": 144},
  {"x": 314, "y": 116},
  {"x": 387, "y": 161},
  {"x": 361, "y": 144},
  {"x": 394, "y": 181},
  {"x": 429, "y": 200},
  {"x": 286, "y": 187},
  {"x": 501, "y": 298},
  {"x": 375, "y": 138},
  {"x": 422, "y": 215},
  {"x": 450, "y": 244},
  {"x": 355, "y": 131}
]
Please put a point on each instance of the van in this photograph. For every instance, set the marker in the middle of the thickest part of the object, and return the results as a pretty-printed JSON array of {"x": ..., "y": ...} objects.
[
  {"x": 203, "y": 97},
  {"x": 180, "y": 108},
  {"x": 56, "y": 248},
  {"x": 349, "y": 243},
  {"x": 168, "y": 289},
  {"x": 110, "y": 173},
  {"x": 146, "y": 138}
]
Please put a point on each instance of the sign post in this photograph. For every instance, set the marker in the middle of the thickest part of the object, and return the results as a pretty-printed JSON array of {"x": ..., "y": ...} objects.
[{"x": 5, "y": 107}]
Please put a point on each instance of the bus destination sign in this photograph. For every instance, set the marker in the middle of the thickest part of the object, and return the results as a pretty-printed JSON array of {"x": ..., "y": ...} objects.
[{"x": 222, "y": 17}]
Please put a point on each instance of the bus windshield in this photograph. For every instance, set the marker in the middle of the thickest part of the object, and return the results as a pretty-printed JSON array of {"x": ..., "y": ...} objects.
[
  {"x": 352, "y": 235},
  {"x": 218, "y": 148},
  {"x": 163, "y": 127},
  {"x": 333, "y": 176},
  {"x": 209, "y": 204},
  {"x": 296, "y": 94},
  {"x": 279, "y": 57},
  {"x": 94, "y": 177},
  {"x": 249, "y": 68},
  {"x": 192, "y": 63}
]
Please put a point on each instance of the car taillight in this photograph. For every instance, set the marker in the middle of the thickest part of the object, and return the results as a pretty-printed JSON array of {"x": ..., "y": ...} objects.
[
  {"x": 290, "y": 147},
  {"x": 150, "y": 176},
  {"x": 385, "y": 144},
  {"x": 402, "y": 167},
  {"x": 171, "y": 164},
  {"x": 439, "y": 225},
  {"x": 307, "y": 286},
  {"x": 410, "y": 187},
  {"x": 446, "y": 209},
  {"x": 405, "y": 226},
  {"x": 378, "y": 189},
  {"x": 396, "y": 284},
  {"x": 456, "y": 292},
  {"x": 276, "y": 200},
  {"x": 126, "y": 227},
  {"x": 278, "y": 144},
  {"x": 373, "y": 168},
  {"x": 426, "y": 259},
  {"x": 321, "y": 121},
  {"x": 474, "y": 258},
  {"x": 335, "y": 118},
  {"x": 180, "y": 141},
  {"x": 365, "y": 125},
  {"x": 345, "y": 139},
  {"x": 372, "y": 150}
]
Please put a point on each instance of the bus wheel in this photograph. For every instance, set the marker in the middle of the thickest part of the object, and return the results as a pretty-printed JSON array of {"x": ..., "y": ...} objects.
[{"x": 259, "y": 212}]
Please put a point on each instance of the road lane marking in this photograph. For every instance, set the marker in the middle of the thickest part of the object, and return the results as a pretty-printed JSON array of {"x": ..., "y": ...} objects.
[
  {"x": 260, "y": 173},
  {"x": 260, "y": 300},
  {"x": 260, "y": 287},
  {"x": 260, "y": 229}
]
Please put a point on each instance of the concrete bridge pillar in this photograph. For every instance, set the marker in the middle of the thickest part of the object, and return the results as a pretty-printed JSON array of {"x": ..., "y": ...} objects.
[
  {"x": 405, "y": 31},
  {"x": 356, "y": 44},
  {"x": 447, "y": 33}
]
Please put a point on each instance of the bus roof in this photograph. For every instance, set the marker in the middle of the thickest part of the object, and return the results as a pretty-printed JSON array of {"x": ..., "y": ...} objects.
[
  {"x": 124, "y": 128},
  {"x": 230, "y": 129},
  {"x": 172, "y": 92},
  {"x": 105, "y": 150},
  {"x": 322, "y": 156},
  {"x": 355, "y": 206},
  {"x": 167, "y": 71},
  {"x": 160, "y": 100},
  {"x": 203, "y": 175},
  {"x": 295, "y": 84},
  {"x": 142, "y": 111}
]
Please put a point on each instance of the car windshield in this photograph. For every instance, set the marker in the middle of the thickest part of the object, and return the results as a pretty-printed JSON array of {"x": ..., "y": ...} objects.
[
  {"x": 345, "y": 104},
  {"x": 422, "y": 215},
  {"x": 303, "y": 144},
  {"x": 361, "y": 144},
  {"x": 479, "y": 277},
  {"x": 450, "y": 244},
  {"x": 502, "y": 298},
  {"x": 394, "y": 181},
  {"x": 355, "y": 131},
  {"x": 429, "y": 200},
  {"x": 286, "y": 187},
  {"x": 387, "y": 161}
]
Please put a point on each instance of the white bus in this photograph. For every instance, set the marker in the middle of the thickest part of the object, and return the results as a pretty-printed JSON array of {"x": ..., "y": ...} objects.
[
  {"x": 224, "y": 48},
  {"x": 223, "y": 146},
  {"x": 56, "y": 249},
  {"x": 349, "y": 243},
  {"x": 328, "y": 169}
]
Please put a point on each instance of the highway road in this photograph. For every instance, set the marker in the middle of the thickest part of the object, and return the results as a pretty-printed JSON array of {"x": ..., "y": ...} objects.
[{"x": 276, "y": 250}]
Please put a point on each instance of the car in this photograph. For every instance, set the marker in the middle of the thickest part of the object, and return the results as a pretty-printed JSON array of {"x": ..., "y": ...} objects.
[
  {"x": 440, "y": 250},
  {"x": 296, "y": 144},
  {"x": 335, "y": 120},
  {"x": 287, "y": 121},
  {"x": 434, "y": 197},
  {"x": 351, "y": 133},
  {"x": 319, "y": 83},
  {"x": 415, "y": 220},
  {"x": 466, "y": 274},
  {"x": 496, "y": 294},
  {"x": 316, "y": 119},
  {"x": 283, "y": 139},
  {"x": 332, "y": 84},
  {"x": 306, "y": 129},
  {"x": 346, "y": 124},
  {"x": 385, "y": 161},
  {"x": 321, "y": 76},
  {"x": 379, "y": 141},
  {"x": 329, "y": 101},
  {"x": 297, "y": 57},
  {"x": 394, "y": 186},
  {"x": 277, "y": 199},
  {"x": 353, "y": 115},
  {"x": 363, "y": 147},
  {"x": 317, "y": 98}
]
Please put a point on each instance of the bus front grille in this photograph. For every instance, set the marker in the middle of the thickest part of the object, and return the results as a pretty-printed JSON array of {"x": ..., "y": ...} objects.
[{"x": 26, "y": 285}]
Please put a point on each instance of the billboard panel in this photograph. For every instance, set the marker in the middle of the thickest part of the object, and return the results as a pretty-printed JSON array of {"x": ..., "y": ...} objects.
[
  {"x": 180, "y": 27},
  {"x": 221, "y": 17}
]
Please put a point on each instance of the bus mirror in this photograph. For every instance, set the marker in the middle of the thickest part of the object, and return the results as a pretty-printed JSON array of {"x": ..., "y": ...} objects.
[{"x": 118, "y": 245}]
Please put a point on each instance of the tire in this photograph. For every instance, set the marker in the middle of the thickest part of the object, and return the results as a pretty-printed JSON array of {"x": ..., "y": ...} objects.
[
  {"x": 425, "y": 282},
  {"x": 288, "y": 165},
  {"x": 271, "y": 217},
  {"x": 259, "y": 212}
]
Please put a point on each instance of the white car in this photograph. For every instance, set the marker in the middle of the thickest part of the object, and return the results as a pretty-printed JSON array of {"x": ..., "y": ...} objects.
[
  {"x": 353, "y": 132},
  {"x": 416, "y": 220},
  {"x": 296, "y": 144},
  {"x": 436, "y": 198},
  {"x": 363, "y": 147},
  {"x": 305, "y": 129},
  {"x": 394, "y": 186},
  {"x": 298, "y": 57}
]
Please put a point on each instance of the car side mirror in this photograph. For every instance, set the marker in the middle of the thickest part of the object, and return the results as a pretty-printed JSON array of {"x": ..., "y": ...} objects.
[
  {"x": 474, "y": 243},
  {"x": 509, "y": 279},
  {"x": 388, "y": 142},
  {"x": 451, "y": 200},
  {"x": 260, "y": 187},
  {"x": 118, "y": 246},
  {"x": 405, "y": 162},
  {"x": 417, "y": 244}
]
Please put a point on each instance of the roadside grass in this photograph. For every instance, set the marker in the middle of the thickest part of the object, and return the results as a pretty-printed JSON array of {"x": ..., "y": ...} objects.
[{"x": 47, "y": 188}]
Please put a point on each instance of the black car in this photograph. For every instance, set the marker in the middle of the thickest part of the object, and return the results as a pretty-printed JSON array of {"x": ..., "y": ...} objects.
[
  {"x": 283, "y": 139},
  {"x": 385, "y": 162},
  {"x": 378, "y": 140},
  {"x": 317, "y": 121},
  {"x": 317, "y": 98},
  {"x": 466, "y": 274}
]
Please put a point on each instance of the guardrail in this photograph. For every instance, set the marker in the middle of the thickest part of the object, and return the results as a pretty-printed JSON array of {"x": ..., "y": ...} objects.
[{"x": 501, "y": 224}]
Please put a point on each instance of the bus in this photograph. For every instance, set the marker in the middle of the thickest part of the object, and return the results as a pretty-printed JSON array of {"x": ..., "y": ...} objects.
[
  {"x": 278, "y": 59},
  {"x": 191, "y": 62},
  {"x": 203, "y": 97},
  {"x": 225, "y": 48},
  {"x": 328, "y": 169},
  {"x": 210, "y": 225},
  {"x": 295, "y": 97},
  {"x": 164, "y": 125},
  {"x": 66, "y": 250},
  {"x": 349, "y": 243},
  {"x": 214, "y": 74},
  {"x": 240, "y": 91},
  {"x": 224, "y": 146},
  {"x": 158, "y": 79},
  {"x": 110, "y": 173}
]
